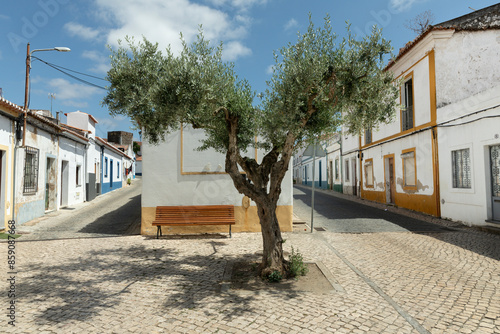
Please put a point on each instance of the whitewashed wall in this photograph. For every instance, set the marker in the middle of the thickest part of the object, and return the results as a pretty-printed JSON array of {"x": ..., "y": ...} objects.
[
  {"x": 73, "y": 154},
  {"x": 163, "y": 183}
]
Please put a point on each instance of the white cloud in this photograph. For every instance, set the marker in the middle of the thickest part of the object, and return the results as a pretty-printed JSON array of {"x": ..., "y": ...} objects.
[
  {"x": 291, "y": 24},
  {"x": 163, "y": 21},
  {"x": 404, "y": 5},
  {"x": 72, "y": 94},
  {"x": 112, "y": 123},
  {"x": 86, "y": 33},
  {"x": 233, "y": 50},
  {"x": 270, "y": 69},
  {"x": 241, "y": 5},
  {"x": 101, "y": 62}
]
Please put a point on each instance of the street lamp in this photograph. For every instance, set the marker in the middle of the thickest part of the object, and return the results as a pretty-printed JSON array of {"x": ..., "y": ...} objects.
[{"x": 26, "y": 89}]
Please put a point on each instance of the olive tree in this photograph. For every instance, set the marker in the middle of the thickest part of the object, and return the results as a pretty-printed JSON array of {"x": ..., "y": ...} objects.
[{"x": 317, "y": 85}]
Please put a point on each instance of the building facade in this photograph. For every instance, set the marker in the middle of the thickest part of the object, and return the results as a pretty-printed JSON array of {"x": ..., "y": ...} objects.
[{"x": 176, "y": 174}]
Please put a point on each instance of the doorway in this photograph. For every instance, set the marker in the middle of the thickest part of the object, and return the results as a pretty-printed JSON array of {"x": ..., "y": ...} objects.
[
  {"x": 330, "y": 174},
  {"x": 2, "y": 190},
  {"x": 50, "y": 185},
  {"x": 64, "y": 183},
  {"x": 354, "y": 178},
  {"x": 495, "y": 182},
  {"x": 390, "y": 185},
  {"x": 111, "y": 173}
]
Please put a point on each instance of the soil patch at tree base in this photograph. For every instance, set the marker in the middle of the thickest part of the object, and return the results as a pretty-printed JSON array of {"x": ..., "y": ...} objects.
[{"x": 244, "y": 276}]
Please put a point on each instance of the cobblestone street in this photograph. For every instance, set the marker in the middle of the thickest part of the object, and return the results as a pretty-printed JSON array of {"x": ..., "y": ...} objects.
[{"x": 393, "y": 282}]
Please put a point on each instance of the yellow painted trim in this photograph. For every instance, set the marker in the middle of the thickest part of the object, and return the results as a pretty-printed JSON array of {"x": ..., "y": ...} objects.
[
  {"x": 433, "y": 111},
  {"x": 412, "y": 66},
  {"x": 435, "y": 171},
  {"x": 200, "y": 173},
  {"x": 432, "y": 86},
  {"x": 411, "y": 187},
  {"x": 8, "y": 192}
]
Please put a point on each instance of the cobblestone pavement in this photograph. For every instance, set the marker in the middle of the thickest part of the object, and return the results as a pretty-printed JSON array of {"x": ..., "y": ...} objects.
[
  {"x": 113, "y": 213},
  {"x": 394, "y": 282}
]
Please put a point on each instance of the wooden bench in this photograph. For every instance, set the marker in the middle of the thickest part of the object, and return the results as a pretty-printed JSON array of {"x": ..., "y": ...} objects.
[{"x": 194, "y": 216}]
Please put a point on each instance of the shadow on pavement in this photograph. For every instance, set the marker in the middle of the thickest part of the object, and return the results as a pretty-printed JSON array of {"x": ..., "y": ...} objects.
[
  {"x": 340, "y": 211},
  {"x": 99, "y": 280},
  {"x": 118, "y": 221}
]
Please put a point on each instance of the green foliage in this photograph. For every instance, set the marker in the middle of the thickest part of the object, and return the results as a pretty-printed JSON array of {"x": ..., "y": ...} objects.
[
  {"x": 161, "y": 91},
  {"x": 318, "y": 84},
  {"x": 275, "y": 277},
  {"x": 136, "y": 147},
  {"x": 297, "y": 265}
]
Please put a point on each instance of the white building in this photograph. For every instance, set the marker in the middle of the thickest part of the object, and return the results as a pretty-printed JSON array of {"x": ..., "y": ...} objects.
[
  {"x": 440, "y": 155},
  {"x": 9, "y": 112},
  {"x": 175, "y": 174},
  {"x": 334, "y": 156},
  {"x": 72, "y": 163},
  {"x": 350, "y": 163},
  {"x": 468, "y": 116},
  {"x": 86, "y": 123}
]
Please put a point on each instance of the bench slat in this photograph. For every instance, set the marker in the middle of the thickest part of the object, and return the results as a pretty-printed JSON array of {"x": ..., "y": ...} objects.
[{"x": 194, "y": 215}]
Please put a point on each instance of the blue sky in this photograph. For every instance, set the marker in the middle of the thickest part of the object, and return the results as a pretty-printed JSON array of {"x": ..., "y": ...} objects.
[{"x": 250, "y": 30}]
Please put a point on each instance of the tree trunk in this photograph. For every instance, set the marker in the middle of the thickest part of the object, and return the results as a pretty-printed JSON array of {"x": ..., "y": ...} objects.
[
  {"x": 255, "y": 185},
  {"x": 272, "y": 257}
]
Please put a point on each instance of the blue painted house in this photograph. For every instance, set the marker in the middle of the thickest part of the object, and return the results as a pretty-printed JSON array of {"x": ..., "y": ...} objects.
[{"x": 113, "y": 162}]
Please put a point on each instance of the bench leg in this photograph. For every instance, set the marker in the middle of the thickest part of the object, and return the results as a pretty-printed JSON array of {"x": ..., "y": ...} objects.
[
  {"x": 230, "y": 231},
  {"x": 158, "y": 232}
]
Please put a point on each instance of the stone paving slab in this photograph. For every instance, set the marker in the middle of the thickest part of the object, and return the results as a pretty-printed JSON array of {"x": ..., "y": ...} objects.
[{"x": 446, "y": 282}]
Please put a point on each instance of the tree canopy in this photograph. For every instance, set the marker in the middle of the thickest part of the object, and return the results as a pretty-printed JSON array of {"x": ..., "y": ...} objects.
[{"x": 318, "y": 84}]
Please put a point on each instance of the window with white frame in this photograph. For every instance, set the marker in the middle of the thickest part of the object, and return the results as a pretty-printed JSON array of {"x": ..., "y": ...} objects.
[
  {"x": 461, "y": 168},
  {"x": 409, "y": 168}
]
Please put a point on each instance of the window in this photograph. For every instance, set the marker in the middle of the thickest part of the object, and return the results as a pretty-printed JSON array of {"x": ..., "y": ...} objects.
[
  {"x": 369, "y": 172},
  {"x": 407, "y": 102},
  {"x": 409, "y": 169},
  {"x": 117, "y": 170},
  {"x": 461, "y": 171},
  {"x": 337, "y": 169},
  {"x": 368, "y": 136},
  {"x": 78, "y": 175},
  {"x": 105, "y": 167},
  {"x": 30, "y": 170},
  {"x": 347, "y": 170}
]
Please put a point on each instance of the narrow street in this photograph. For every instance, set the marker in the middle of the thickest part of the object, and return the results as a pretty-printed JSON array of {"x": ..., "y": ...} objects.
[
  {"x": 392, "y": 273},
  {"x": 335, "y": 213},
  {"x": 114, "y": 213}
]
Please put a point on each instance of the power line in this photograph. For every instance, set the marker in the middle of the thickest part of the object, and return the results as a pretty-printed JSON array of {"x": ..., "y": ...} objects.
[{"x": 58, "y": 68}]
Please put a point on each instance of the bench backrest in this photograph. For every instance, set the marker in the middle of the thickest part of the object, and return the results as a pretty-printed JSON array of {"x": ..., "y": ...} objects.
[{"x": 200, "y": 213}]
